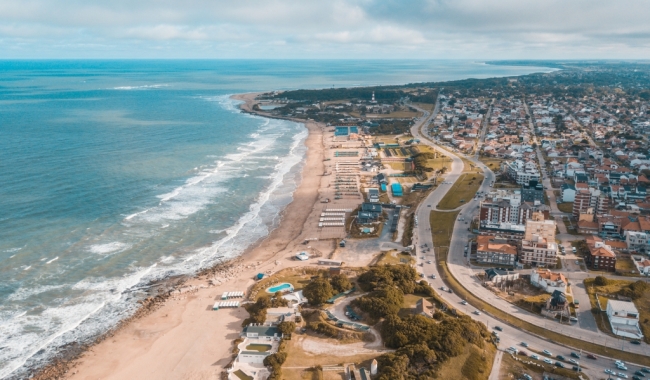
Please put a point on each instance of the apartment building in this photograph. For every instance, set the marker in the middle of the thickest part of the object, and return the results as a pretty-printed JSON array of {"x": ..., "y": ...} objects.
[{"x": 492, "y": 250}]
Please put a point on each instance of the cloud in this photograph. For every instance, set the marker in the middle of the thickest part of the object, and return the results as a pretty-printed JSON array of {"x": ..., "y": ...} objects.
[{"x": 324, "y": 29}]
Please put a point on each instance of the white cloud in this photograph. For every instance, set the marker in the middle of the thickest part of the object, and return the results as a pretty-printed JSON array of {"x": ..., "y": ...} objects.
[{"x": 325, "y": 29}]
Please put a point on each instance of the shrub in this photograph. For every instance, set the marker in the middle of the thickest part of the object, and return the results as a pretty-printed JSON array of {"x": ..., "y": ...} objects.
[
  {"x": 287, "y": 327},
  {"x": 340, "y": 283},
  {"x": 601, "y": 281},
  {"x": 318, "y": 291}
]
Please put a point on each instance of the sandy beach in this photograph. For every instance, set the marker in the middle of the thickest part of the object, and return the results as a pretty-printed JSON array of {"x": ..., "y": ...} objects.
[{"x": 183, "y": 338}]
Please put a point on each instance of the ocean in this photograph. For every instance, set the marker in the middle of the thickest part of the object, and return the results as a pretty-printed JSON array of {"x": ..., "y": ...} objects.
[{"x": 117, "y": 173}]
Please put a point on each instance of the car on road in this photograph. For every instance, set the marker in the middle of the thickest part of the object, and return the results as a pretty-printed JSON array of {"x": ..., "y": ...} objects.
[
  {"x": 636, "y": 378},
  {"x": 592, "y": 357},
  {"x": 477, "y": 312},
  {"x": 622, "y": 375},
  {"x": 428, "y": 261},
  {"x": 575, "y": 355},
  {"x": 645, "y": 370},
  {"x": 433, "y": 276},
  {"x": 559, "y": 364},
  {"x": 524, "y": 344},
  {"x": 498, "y": 328},
  {"x": 577, "y": 369},
  {"x": 463, "y": 302},
  {"x": 610, "y": 372},
  {"x": 548, "y": 361},
  {"x": 561, "y": 357},
  {"x": 547, "y": 352},
  {"x": 422, "y": 257},
  {"x": 639, "y": 373},
  {"x": 573, "y": 361},
  {"x": 534, "y": 356},
  {"x": 635, "y": 342},
  {"x": 428, "y": 205}
]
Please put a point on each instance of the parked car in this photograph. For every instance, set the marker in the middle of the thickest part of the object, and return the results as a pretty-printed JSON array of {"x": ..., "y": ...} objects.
[
  {"x": 561, "y": 357},
  {"x": 498, "y": 328},
  {"x": 577, "y": 369},
  {"x": 547, "y": 352},
  {"x": 639, "y": 373},
  {"x": 575, "y": 355},
  {"x": 559, "y": 364},
  {"x": 635, "y": 342},
  {"x": 477, "y": 312},
  {"x": 548, "y": 361},
  {"x": 536, "y": 357},
  {"x": 573, "y": 361}
]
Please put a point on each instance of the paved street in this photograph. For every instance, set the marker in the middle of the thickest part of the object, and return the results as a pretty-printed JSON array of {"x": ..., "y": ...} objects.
[{"x": 459, "y": 268}]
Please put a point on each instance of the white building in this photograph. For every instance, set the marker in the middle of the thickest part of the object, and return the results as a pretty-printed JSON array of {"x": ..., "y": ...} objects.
[
  {"x": 549, "y": 281},
  {"x": 637, "y": 241},
  {"x": 624, "y": 319}
]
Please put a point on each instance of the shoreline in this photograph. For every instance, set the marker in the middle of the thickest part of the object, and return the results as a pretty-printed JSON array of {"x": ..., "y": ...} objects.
[{"x": 134, "y": 347}]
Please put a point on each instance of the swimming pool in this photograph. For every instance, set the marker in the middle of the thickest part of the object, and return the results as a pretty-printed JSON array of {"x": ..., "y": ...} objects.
[{"x": 280, "y": 287}]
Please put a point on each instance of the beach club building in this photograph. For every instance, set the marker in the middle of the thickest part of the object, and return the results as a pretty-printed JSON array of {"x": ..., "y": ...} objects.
[{"x": 397, "y": 189}]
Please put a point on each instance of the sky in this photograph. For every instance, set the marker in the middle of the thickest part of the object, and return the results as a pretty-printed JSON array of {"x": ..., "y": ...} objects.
[{"x": 326, "y": 29}]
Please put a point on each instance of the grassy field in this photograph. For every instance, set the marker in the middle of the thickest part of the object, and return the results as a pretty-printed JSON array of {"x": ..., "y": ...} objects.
[
  {"x": 493, "y": 163},
  {"x": 442, "y": 226},
  {"x": 534, "y": 329},
  {"x": 425, "y": 106},
  {"x": 462, "y": 191},
  {"x": 474, "y": 363},
  {"x": 291, "y": 275},
  {"x": 613, "y": 287},
  {"x": 393, "y": 258},
  {"x": 565, "y": 207},
  {"x": 625, "y": 264}
]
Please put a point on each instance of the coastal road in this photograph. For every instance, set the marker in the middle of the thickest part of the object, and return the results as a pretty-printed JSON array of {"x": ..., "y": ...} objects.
[{"x": 459, "y": 268}]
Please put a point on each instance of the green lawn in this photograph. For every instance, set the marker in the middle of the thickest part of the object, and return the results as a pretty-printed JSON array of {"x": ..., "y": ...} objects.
[
  {"x": 565, "y": 207},
  {"x": 442, "y": 226},
  {"x": 258, "y": 347},
  {"x": 462, "y": 191},
  {"x": 240, "y": 374}
]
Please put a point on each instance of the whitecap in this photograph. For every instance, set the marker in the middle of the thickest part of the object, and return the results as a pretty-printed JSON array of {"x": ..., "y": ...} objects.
[
  {"x": 102, "y": 249},
  {"x": 53, "y": 260}
]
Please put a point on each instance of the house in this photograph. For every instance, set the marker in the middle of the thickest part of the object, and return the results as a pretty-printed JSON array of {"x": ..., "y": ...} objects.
[
  {"x": 369, "y": 213},
  {"x": 637, "y": 241},
  {"x": 557, "y": 305},
  {"x": 492, "y": 250},
  {"x": 549, "y": 281},
  {"x": 373, "y": 195},
  {"x": 601, "y": 257},
  {"x": 568, "y": 193},
  {"x": 499, "y": 275},
  {"x": 624, "y": 319},
  {"x": 261, "y": 332},
  {"x": 424, "y": 307}
]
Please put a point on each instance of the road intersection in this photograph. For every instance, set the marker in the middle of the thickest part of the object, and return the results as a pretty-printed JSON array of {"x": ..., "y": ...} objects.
[{"x": 461, "y": 270}]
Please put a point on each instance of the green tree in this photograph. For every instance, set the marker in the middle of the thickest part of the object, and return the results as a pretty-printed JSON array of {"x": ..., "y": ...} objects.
[
  {"x": 287, "y": 327},
  {"x": 601, "y": 281},
  {"x": 318, "y": 291},
  {"x": 340, "y": 283}
]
